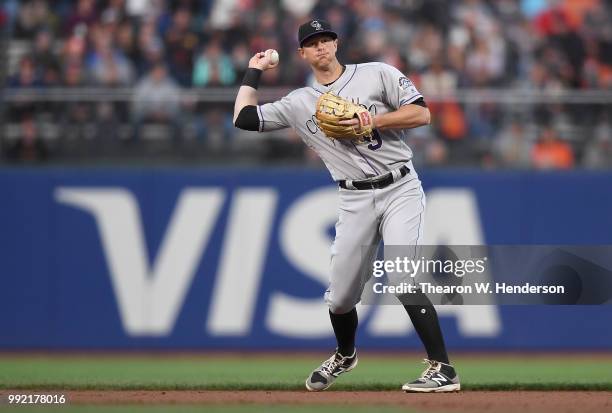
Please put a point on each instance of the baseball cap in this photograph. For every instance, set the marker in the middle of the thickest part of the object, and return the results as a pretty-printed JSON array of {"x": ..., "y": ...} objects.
[{"x": 314, "y": 27}]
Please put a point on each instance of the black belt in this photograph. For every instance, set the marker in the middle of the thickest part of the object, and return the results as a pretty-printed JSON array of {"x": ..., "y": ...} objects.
[{"x": 377, "y": 183}]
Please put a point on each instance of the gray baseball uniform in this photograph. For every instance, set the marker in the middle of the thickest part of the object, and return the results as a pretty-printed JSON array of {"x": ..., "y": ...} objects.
[{"x": 394, "y": 212}]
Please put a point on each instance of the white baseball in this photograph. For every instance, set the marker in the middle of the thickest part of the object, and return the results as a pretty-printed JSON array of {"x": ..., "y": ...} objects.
[{"x": 274, "y": 57}]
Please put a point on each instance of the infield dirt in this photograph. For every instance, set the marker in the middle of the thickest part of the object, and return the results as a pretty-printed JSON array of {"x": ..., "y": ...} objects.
[{"x": 468, "y": 401}]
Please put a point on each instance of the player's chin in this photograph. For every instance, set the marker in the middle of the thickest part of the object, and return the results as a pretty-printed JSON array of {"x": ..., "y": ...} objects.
[{"x": 322, "y": 62}]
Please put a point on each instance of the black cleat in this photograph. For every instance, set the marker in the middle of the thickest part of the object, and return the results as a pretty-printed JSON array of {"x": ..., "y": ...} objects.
[
  {"x": 323, "y": 377},
  {"x": 437, "y": 378}
]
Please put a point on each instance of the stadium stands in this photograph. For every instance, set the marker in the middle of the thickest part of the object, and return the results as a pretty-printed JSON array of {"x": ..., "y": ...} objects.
[{"x": 83, "y": 77}]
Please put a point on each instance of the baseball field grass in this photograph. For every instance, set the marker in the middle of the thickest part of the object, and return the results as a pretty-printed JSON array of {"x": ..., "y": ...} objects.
[
  {"x": 265, "y": 374},
  {"x": 269, "y": 372}
]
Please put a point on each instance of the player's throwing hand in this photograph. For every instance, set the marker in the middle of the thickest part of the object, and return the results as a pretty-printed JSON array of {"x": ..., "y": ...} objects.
[{"x": 263, "y": 60}]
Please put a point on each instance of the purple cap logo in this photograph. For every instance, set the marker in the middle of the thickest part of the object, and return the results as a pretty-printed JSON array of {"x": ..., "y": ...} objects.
[{"x": 316, "y": 25}]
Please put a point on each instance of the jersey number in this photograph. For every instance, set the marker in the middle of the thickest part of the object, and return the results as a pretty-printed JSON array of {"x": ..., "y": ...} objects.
[{"x": 376, "y": 141}]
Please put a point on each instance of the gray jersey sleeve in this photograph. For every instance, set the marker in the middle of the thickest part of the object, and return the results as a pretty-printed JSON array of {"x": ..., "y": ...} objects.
[
  {"x": 398, "y": 89},
  {"x": 275, "y": 115}
]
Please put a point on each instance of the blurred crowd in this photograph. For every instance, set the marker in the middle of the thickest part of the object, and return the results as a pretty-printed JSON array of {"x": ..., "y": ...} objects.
[{"x": 163, "y": 48}]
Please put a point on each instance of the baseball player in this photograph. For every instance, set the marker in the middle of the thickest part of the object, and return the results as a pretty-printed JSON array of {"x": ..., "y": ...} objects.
[{"x": 380, "y": 193}]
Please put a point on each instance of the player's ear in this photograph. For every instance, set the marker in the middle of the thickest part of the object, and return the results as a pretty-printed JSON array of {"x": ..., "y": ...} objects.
[{"x": 301, "y": 52}]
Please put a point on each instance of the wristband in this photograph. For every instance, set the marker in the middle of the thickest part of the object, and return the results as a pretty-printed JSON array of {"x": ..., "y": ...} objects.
[{"x": 251, "y": 77}]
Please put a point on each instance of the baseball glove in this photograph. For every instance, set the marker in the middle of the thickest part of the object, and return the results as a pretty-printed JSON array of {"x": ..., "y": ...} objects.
[{"x": 331, "y": 109}]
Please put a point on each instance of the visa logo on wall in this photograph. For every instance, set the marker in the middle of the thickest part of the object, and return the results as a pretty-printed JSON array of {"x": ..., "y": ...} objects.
[{"x": 150, "y": 293}]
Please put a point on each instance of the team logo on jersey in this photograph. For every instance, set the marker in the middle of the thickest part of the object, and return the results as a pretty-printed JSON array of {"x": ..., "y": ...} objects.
[
  {"x": 405, "y": 83},
  {"x": 316, "y": 25}
]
